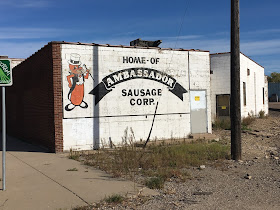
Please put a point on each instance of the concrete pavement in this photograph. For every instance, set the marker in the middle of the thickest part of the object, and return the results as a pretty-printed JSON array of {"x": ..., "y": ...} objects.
[{"x": 37, "y": 180}]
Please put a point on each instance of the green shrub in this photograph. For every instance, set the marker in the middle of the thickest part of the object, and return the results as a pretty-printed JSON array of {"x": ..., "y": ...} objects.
[
  {"x": 115, "y": 198},
  {"x": 247, "y": 120},
  {"x": 222, "y": 124},
  {"x": 74, "y": 155},
  {"x": 262, "y": 114},
  {"x": 155, "y": 183},
  {"x": 72, "y": 169}
]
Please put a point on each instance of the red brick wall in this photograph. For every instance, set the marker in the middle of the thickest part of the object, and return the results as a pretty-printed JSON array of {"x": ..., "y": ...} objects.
[
  {"x": 57, "y": 92},
  {"x": 34, "y": 102}
]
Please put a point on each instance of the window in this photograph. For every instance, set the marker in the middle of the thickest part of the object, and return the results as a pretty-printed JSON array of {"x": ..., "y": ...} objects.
[
  {"x": 248, "y": 72},
  {"x": 244, "y": 93},
  {"x": 263, "y": 95}
]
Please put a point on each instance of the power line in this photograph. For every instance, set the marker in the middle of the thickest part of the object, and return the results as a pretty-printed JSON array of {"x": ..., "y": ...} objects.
[{"x": 182, "y": 22}]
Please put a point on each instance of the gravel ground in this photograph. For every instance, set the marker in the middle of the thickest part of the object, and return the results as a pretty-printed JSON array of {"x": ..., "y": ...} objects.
[{"x": 253, "y": 183}]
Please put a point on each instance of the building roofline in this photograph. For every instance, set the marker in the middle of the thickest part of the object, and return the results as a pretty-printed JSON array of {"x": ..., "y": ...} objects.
[
  {"x": 240, "y": 53},
  {"x": 17, "y": 59},
  {"x": 124, "y": 46},
  {"x": 105, "y": 45}
]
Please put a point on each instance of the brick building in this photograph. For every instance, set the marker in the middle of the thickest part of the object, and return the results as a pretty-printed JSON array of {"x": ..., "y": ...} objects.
[{"x": 85, "y": 96}]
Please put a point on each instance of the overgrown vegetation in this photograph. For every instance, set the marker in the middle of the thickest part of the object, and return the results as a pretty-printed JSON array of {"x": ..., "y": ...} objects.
[
  {"x": 157, "y": 162},
  {"x": 225, "y": 124},
  {"x": 222, "y": 124},
  {"x": 109, "y": 202},
  {"x": 74, "y": 155},
  {"x": 274, "y": 77},
  {"x": 246, "y": 121},
  {"x": 155, "y": 182},
  {"x": 115, "y": 198},
  {"x": 72, "y": 169},
  {"x": 262, "y": 114}
]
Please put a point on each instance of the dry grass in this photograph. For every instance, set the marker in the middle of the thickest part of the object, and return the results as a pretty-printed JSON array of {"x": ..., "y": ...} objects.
[
  {"x": 74, "y": 155},
  {"x": 115, "y": 198},
  {"x": 262, "y": 114},
  {"x": 222, "y": 124},
  {"x": 72, "y": 169},
  {"x": 225, "y": 124},
  {"x": 157, "y": 162},
  {"x": 247, "y": 120}
]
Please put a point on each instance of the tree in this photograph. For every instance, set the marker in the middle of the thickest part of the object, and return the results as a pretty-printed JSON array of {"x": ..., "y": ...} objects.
[{"x": 274, "y": 77}]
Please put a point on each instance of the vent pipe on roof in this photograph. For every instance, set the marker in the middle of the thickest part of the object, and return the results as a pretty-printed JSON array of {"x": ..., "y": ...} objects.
[{"x": 144, "y": 43}]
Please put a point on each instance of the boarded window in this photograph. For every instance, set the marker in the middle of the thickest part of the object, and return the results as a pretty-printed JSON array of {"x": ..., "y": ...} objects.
[{"x": 244, "y": 93}]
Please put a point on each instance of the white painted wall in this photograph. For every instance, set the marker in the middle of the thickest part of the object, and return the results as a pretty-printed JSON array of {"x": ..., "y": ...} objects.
[
  {"x": 199, "y": 66},
  {"x": 115, "y": 116},
  {"x": 255, "y": 82}
]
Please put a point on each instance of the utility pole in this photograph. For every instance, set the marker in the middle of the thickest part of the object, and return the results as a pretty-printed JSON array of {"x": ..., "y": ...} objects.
[{"x": 235, "y": 114}]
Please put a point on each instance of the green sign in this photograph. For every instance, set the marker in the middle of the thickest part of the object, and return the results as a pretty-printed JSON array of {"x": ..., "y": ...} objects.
[{"x": 5, "y": 73}]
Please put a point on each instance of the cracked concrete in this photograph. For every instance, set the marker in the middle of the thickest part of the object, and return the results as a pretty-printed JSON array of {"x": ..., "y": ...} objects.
[{"x": 37, "y": 180}]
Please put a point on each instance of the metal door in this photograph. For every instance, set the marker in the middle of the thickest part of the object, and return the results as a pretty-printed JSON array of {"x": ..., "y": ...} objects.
[
  {"x": 223, "y": 105},
  {"x": 198, "y": 111}
]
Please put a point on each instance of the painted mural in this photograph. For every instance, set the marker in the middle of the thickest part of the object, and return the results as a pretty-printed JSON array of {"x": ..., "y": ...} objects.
[
  {"x": 78, "y": 73},
  {"x": 135, "y": 79},
  {"x": 109, "y": 82},
  {"x": 132, "y": 89}
]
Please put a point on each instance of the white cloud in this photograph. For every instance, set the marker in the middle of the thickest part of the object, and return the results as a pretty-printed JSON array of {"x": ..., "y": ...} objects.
[
  {"x": 185, "y": 37},
  {"x": 261, "y": 32},
  {"x": 30, "y": 33},
  {"x": 20, "y": 50},
  {"x": 26, "y": 3},
  {"x": 261, "y": 50},
  {"x": 262, "y": 47},
  {"x": 213, "y": 45},
  {"x": 271, "y": 65}
]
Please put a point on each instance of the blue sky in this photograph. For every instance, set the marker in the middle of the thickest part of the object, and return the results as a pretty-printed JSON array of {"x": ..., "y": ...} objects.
[{"x": 27, "y": 25}]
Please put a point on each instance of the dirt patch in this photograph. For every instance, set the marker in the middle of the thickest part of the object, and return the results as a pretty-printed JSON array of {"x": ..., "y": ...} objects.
[{"x": 253, "y": 183}]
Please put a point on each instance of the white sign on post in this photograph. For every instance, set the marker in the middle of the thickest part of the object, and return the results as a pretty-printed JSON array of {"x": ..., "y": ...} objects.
[{"x": 5, "y": 80}]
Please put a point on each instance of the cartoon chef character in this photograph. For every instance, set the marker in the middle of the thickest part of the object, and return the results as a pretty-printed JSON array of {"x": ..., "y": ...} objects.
[{"x": 76, "y": 81}]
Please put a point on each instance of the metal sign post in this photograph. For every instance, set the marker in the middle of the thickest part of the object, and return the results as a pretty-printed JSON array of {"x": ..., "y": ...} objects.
[
  {"x": 5, "y": 80},
  {"x": 3, "y": 139}
]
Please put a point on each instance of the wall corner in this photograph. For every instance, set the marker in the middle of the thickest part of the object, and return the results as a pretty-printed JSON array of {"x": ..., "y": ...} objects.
[{"x": 57, "y": 94}]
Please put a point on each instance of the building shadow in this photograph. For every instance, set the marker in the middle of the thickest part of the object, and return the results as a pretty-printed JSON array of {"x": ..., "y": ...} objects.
[
  {"x": 17, "y": 145},
  {"x": 96, "y": 123}
]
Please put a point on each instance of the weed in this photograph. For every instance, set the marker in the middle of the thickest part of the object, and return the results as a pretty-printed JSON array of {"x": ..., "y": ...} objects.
[
  {"x": 83, "y": 208},
  {"x": 222, "y": 124},
  {"x": 155, "y": 183},
  {"x": 72, "y": 169},
  {"x": 225, "y": 123},
  {"x": 115, "y": 198},
  {"x": 245, "y": 128},
  {"x": 262, "y": 114},
  {"x": 161, "y": 161},
  {"x": 247, "y": 120},
  {"x": 74, "y": 155}
]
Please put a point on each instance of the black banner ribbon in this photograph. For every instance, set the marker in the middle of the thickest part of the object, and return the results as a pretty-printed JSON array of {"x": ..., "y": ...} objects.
[
  {"x": 178, "y": 90},
  {"x": 108, "y": 82},
  {"x": 99, "y": 91}
]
